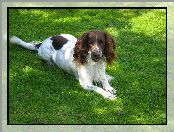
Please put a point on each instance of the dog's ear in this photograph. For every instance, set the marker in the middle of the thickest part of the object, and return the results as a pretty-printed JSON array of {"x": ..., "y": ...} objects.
[
  {"x": 83, "y": 40},
  {"x": 109, "y": 50},
  {"x": 81, "y": 49}
]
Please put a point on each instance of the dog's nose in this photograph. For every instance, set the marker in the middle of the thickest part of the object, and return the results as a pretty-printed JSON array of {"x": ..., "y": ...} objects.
[{"x": 96, "y": 55}]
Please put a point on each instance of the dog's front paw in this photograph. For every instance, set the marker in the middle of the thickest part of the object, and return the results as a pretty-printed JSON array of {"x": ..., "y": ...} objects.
[
  {"x": 109, "y": 78},
  {"x": 111, "y": 90},
  {"x": 110, "y": 96}
]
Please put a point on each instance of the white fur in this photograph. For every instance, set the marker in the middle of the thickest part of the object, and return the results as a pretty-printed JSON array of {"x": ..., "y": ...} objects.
[
  {"x": 63, "y": 58},
  {"x": 17, "y": 40}
]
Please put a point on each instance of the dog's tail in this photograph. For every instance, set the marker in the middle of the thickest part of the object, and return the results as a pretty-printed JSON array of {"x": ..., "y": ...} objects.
[{"x": 30, "y": 46}]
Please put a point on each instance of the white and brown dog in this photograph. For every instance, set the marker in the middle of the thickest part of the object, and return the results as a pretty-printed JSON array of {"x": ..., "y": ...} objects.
[{"x": 85, "y": 57}]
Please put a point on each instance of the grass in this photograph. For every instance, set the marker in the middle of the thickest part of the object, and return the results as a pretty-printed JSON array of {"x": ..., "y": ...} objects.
[{"x": 42, "y": 94}]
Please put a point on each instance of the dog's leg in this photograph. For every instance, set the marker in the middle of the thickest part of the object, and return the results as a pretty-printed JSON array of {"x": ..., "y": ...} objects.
[
  {"x": 109, "y": 78},
  {"x": 99, "y": 90},
  {"x": 86, "y": 82},
  {"x": 103, "y": 77},
  {"x": 50, "y": 63},
  {"x": 107, "y": 86}
]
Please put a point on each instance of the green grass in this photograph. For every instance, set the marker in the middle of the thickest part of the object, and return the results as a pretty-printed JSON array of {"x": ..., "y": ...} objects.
[{"x": 42, "y": 94}]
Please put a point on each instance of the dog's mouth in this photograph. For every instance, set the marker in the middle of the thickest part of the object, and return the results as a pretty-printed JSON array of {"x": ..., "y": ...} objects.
[{"x": 96, "y": 58}]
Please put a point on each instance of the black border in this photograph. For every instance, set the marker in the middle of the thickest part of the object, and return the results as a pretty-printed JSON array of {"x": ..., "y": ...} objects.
[{"x": 8, "y": 8}]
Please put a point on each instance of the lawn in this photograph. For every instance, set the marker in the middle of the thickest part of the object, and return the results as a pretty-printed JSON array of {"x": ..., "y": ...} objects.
[{"x": 42, "y": 94}]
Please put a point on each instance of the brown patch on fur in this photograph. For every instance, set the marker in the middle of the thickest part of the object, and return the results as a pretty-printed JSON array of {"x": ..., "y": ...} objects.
[
  {"x": 58, "y": 42},
  {"x": 109, "y": 50},
  {"x": 81, "y": 49}
]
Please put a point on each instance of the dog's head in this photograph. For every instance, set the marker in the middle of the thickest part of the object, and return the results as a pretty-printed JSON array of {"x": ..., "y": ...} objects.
[{"x": 96, "y": 44}]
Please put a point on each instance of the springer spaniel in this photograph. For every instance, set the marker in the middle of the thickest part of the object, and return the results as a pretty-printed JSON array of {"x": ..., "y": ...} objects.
[{"x": 85, "y": 57}]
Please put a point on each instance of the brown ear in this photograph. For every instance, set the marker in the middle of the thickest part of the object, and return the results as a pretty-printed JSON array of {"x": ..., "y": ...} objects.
[
  {"x": 109, "y": 50},
  {"x": 81, "y": 49}
]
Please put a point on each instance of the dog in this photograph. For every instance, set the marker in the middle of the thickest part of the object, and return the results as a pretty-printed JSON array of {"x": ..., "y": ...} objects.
[{"x": 85, "y": 58}]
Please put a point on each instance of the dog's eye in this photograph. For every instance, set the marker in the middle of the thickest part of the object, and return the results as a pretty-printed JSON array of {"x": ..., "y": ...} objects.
[
  {"x": 90, "y": 45},
  {"x": 102, "y": 45},
  {"x": 100, "y": 41},
  {"x": 90, "y": 42}
]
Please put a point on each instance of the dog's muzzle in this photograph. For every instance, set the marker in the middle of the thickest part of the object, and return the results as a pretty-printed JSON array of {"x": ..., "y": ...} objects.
[{"x": 96, "y": 55}]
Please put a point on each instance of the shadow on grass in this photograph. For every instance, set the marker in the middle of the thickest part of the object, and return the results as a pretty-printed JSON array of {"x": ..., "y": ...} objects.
[{"x": 43, "y": 21}]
